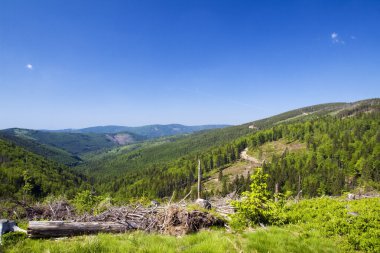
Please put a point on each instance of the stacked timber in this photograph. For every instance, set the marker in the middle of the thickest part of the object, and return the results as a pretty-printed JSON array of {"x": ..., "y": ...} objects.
[{"x": 172, "y": 219}]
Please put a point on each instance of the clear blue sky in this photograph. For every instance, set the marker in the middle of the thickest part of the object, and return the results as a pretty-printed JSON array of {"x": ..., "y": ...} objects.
[{"x": 72, "y": 64}]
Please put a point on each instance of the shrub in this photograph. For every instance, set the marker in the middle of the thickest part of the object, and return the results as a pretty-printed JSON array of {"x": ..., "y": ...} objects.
[
  {"x": 257, "y": 206},
  {"x": 355, "y": 224},
  {"x": 12, "y": 238},
  {"x": 86, "y": 201}
]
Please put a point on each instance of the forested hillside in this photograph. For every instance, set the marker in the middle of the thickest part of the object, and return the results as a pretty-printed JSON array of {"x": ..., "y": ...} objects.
[
  {"x": 173, "y": 148},
  {"x": 342, "y": 153},
  {"x": 47, "y": 151},
  {"x": 55, "y": 144},
  {"x": 68, "y": 146},
  {"x": 24, "y": 175}
]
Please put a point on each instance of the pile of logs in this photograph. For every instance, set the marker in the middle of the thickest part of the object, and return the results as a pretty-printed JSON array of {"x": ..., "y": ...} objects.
[
  {"x": 172, "y": 219},
  {"x": 60, "y": 219},
  {"x": 222, "y": 205}
]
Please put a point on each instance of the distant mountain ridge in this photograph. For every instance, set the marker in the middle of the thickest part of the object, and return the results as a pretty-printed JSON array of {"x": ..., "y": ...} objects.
[
  {"x": 149, "y": 131},
  {"x": 67, "y": 146}
]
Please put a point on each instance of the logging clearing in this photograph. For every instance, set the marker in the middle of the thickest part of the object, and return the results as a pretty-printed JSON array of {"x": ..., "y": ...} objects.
[{"x": 172, "y": 219}]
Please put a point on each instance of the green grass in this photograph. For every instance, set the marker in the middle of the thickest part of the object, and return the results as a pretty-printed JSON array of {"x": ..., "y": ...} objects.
[
  {"x": 354, "y": 225},
  {"x": 263, "y": 240},
  {"x": 288, "y": 239}
]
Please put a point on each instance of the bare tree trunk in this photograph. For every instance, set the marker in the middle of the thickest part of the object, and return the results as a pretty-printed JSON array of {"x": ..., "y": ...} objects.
[
  {"x": 199, "y": 179},
  {"x": 299, "y": 183},
  {"x": 276, "y": 192},
  {"x": 299, "y": 194}
]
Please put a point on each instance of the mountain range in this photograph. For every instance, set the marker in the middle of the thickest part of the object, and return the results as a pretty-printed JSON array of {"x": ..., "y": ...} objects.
[
  {"x": 153, "y": 161},
  {"x": 67, "y": 145},
  {"x": 149, "y": 131}
]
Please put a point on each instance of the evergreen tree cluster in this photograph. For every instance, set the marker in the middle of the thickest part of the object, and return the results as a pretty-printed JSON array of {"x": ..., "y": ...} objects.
[
  {"x": 341, "y": 154},
  {"x": 24, "y": 175}
]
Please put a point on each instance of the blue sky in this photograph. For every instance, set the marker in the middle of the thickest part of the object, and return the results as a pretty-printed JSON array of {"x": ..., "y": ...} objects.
[{"x": 72, "y": 64}]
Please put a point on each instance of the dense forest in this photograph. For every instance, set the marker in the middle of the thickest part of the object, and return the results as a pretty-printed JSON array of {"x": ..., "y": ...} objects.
[
  {"x": 27, "y": 176},
  {"x": 342, "y": 153}
]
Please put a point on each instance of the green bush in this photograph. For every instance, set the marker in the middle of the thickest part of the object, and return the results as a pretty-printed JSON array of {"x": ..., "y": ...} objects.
[
  {"x": 257, "y": 206},
  {"x": 12, "y": 238},
  {"x": 354, "y": 224},
  {"x": 86, "y": 201}
]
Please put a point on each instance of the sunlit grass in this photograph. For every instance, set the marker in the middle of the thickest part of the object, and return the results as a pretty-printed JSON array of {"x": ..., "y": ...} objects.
[
  {"x": 285, "y": 240},
  {"x": 262, "y": 240}
]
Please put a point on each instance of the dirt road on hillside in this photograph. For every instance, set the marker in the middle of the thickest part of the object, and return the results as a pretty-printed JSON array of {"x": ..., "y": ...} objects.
[{"x": 245, "y": 156}]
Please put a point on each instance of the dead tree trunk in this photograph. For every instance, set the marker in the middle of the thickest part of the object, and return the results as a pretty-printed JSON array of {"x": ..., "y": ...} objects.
[
  {"x": 199, "y": 179},
  {"x": 45, "y": 229},
  {"x": 276, "y": 192},
  {"x": 299, "y": 194}
]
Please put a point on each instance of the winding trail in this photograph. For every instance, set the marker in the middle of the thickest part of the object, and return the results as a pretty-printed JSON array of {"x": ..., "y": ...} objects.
[{"x": 249, "y": 158}]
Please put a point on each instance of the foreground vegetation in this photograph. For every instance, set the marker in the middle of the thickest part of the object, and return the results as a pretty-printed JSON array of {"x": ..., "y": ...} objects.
[
  {"x": 316, "y": 225},
  {"x": 354, "y": 224}
]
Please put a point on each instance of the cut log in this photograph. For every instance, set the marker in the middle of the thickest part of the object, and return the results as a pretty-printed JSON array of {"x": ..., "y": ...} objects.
[{"x": 45, "y": 229}]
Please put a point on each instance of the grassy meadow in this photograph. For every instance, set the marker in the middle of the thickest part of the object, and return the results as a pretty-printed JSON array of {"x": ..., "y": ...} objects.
[{"x": 261, "y": 240}]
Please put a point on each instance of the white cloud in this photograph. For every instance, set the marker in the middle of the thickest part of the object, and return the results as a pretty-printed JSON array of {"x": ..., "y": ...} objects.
[
  {"x": 335, "y": 38},
  {"x": 29, "y": 66}
]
